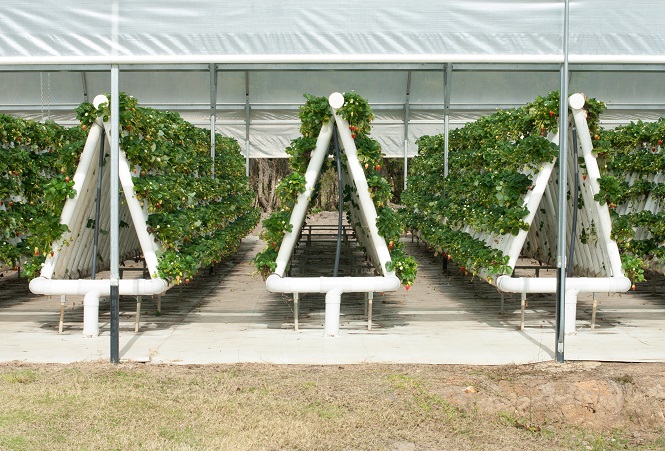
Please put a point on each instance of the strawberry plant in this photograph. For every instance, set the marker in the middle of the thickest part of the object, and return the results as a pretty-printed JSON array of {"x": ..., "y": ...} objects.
[
  {"x": 359, "y": 115},
  {"x": 632, "y": 162},
  {"x": 491, "y": 166},
  {"x": 198, "y": 217},
  {"x": 37, "y": 165}
]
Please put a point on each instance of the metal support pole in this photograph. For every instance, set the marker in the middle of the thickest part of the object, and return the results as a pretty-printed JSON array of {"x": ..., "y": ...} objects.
[
  {"x": 295, "y": 311},
  {"x": 114, "y": 220},
  {"x": 213, "y": 114},
  {"x": 63, "y": 299},
  {"x": 247, "y": 118},
  {"x": 447, "y": 75},
  {"x": 98, "y": 205},
  {"x": 407, "y": 112},
  {"x": 370, "y": 299},
  {"x": 563, "y": 203}
]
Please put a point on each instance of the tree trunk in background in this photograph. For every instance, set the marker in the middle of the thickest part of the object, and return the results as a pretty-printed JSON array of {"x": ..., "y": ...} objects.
[{"x": 266, "y": 173}]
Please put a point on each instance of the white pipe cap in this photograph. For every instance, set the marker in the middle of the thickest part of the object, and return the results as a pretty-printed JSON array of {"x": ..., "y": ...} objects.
[
  {"x": 577, "y": 101},
  {"x": 336, "y": 100}
]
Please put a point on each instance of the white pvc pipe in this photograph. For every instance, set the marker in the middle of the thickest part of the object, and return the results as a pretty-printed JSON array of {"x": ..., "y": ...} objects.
[
  {"x": 605, "y": 223},
  {"x": 302, "y": 204},
  {"x": 148, "y": 243},
  {"x": 548, "y": 284},
  {"x": 277, "y": 284},
  {"x": 69, "y": 209},
  {"x": 362, "y": 190},
  {"x": 333, "y": 301},
  {"x": 532, "y": 201},
  {"x": 92, "y": 290}
]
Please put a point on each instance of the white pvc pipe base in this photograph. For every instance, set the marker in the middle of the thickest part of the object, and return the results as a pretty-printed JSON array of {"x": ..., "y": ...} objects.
[
  {"x": 333, "y": 301},
  {"x": 570, "y": 312},
  {"x": 91, "y": 315}
]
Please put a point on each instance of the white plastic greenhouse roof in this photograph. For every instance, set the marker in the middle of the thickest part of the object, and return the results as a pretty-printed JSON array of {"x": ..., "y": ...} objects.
[{"x": 253, "y": 60}]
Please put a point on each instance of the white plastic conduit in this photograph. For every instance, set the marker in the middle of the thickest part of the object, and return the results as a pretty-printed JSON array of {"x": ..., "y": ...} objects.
[
  {"x": 300, "y": 209},
  {"x": 333, "y": 286},
  {"x": 92, "y": 290},
  {"x": 615, "y": 284},
  {"x": 70, "y": 209},
  {"x": 362, "y": 190}
]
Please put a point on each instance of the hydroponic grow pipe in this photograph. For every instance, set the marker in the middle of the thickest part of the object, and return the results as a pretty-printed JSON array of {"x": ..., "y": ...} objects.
[
  {"x": 69, "y": 209},
  {"x": 300, "y": 209},
  {"x": 367, "y": 210}
]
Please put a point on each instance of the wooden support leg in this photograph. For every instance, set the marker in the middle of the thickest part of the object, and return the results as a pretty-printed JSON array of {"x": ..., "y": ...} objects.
[
  {"x": 63, "y": 299},
  {"x": 370, "y": 298},
  {"x": 503, "y": 296},
  {"x": 593, "y": 311},
  {"x": 522, "y": 306},
  {"x": 295, "y": 311},
  {"x": 138, "y": 314},
  {"x": 159, "y": 304}
]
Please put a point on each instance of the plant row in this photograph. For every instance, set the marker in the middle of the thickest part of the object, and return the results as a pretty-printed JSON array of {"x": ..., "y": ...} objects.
[
  {"x": 313, "y": 114},
  {"x": 198, "y": 210},
  {"x": 632, "y": 163},
  {"x": 37, "y": 165},
  {"x": 492, "y": 163}
]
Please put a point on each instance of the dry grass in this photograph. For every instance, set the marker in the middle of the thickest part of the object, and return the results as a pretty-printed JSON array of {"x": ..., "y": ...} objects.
[{"x": 99, "y": 406}]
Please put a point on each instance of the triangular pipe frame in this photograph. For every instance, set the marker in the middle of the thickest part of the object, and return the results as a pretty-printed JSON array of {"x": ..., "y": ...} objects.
[{"x": 353, "y": 175}]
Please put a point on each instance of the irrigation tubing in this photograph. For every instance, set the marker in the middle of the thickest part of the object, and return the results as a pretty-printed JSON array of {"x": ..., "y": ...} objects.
[
  {"x": 341, "y": 200},
  {"x": 95, "y": 243},
  {"x": 573, "y": 233}
]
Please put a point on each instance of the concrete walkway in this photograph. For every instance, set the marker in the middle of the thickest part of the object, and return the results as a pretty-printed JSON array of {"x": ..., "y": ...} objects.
[{"x": 230, "y": 317}]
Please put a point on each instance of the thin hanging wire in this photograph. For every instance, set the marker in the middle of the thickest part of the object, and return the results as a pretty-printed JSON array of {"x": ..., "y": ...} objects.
[
  {"x": 41, "y": 93},
  {"x": 48, "y": 90}
]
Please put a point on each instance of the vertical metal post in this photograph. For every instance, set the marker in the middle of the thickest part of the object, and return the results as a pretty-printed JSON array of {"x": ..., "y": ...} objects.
[
  {"x": 213, "y": 114},
  {"x": 447, "y": 75},
  {"x": 84, "y": 83},
  {"x": 407, "y": 112},
  {"x": 295, "y": 311},
  {"x": 115, "y": 204},
  {"x": 98, "y": 205},
  {"x": 563, "y": 201},
  {"x": 247, "y": 116}
]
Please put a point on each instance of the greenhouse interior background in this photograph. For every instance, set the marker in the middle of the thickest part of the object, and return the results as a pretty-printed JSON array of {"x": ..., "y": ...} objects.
[{"x": 243, "y": 69}]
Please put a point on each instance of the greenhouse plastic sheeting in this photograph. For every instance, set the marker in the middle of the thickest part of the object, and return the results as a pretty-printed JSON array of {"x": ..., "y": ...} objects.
[{"x": 87, "y": 28}]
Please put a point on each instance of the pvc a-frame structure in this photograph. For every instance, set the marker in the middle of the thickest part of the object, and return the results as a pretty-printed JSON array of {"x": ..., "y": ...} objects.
[
  {"x": 597, "y": 257},
  {"x": 72, "y": 256},
  {"x": 365, "y": 215}
]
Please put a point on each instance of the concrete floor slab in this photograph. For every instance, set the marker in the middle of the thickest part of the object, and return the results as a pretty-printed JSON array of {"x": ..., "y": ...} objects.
[{"x": 230, "y": 317}]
